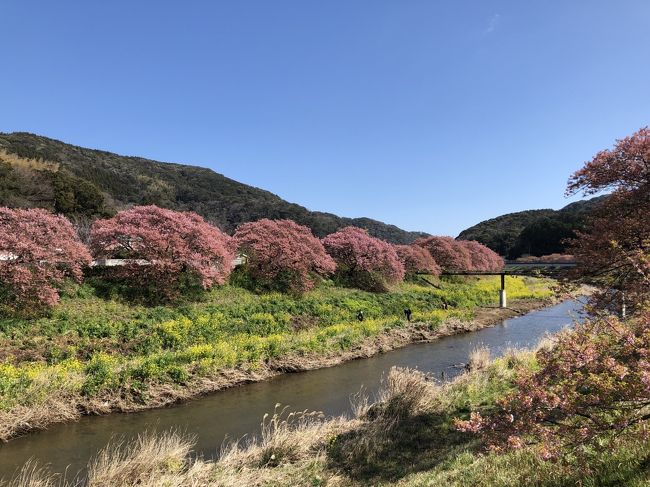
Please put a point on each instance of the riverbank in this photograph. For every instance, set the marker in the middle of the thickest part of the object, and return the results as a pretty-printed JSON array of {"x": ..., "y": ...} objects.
[
  {"x": 406, "y": 438},
  {"x": 209, "y": 346},
  {"x": 386, "y": 340}
]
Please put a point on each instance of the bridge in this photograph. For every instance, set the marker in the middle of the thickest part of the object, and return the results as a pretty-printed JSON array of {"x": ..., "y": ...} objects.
[
  {"x": 512, "y": 268},
  {"x": 239, "y": 260}
]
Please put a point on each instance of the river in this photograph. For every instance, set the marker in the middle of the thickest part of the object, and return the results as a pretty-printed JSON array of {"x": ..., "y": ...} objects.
[{"x": 236, "y": 412}]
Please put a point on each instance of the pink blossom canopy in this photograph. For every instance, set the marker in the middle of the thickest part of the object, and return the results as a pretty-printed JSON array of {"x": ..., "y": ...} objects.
[
  {"x": 416, "y": 259},
  {"x": 166, "y": 243},
  {"x": 364, "y": 261},
  {"x": 282, "y": 249},
  {"x": 38, "y": 250}
]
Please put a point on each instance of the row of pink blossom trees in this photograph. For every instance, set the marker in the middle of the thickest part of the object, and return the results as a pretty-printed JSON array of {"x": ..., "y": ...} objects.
[
  {"x": 168, "y": 251},
  {"x": 159, "y": 249},
  {"x": 461, "y": 255}
]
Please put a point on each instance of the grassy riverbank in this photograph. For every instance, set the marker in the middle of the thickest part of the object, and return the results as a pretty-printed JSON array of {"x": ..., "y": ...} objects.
[
  {"x": 406, "y": 439},
  {"x": 95, "y": 354}
]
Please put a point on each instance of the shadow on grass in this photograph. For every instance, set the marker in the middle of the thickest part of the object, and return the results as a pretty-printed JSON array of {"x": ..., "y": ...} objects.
[
  {"x": 146, "y": 295},
  {"x": 370, "y": 455},
  {"x": 628, "y": 474},
  {"x": 415, "y": 444}
]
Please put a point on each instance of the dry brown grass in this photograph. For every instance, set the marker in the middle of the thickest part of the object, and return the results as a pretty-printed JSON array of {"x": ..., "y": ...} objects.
[
  {"x": 283, "y": 438},
  {"x": 286, "y": 437},
  {"x": 31, "y": 475},
  {"x": 141, "y": 462},
  {"x": 479, "y": 358},
  {"x": 405, "y": 392},
  {"x": 405, "y": 395},
  {"x": 289, "y": 452},
  {"x": 548, "y": 341},
  {"x": 23, "y": 162},
  {"x": 21, "y": 419}
]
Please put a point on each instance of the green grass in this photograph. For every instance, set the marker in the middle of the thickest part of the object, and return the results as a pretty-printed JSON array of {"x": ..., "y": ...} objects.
[
  {"x": 628, "y": 465},
  {"x": 92, "y": 346}
]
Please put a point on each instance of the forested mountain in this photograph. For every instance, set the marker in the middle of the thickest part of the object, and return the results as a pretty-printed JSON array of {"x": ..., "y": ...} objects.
[
  {"x": 81, "y": 183},
  {"x": 532, "y": 232}
]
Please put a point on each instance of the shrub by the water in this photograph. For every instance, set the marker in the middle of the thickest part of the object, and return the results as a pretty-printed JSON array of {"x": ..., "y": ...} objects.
[{"x": 590, "y": 388}]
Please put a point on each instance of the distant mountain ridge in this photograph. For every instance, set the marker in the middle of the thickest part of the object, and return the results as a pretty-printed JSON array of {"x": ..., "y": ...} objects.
[
  {"x": 36, "y": 171},
  {"x": 532, "y": 232}
]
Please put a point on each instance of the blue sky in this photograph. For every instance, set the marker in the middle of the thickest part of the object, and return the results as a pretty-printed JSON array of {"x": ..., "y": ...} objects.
[{"x": 432, "y": 115}]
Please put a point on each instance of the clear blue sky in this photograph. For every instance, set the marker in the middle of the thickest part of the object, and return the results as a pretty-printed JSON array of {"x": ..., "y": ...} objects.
[{"x": 432, "y": 115}]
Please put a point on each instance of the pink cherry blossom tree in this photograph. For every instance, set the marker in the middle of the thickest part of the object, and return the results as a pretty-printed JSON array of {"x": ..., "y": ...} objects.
[
  {"x": 447, "y": 252},
  {"x": 282, "y": 255},
  {"x": 416, "y": 259},
  {"x": 364, "y": 261},
  {"x": 164, "y": 250},
  {"x": 38, "y": 251},
  {"x": 461, "y": 255},
  {"x": 613, "y": 251},
  {"x": 483, "y": 259},
  {"x": 591, "y": 388}
]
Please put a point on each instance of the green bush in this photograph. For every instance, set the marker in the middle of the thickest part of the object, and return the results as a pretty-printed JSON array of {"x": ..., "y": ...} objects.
[{"x": 99, "y": 374}]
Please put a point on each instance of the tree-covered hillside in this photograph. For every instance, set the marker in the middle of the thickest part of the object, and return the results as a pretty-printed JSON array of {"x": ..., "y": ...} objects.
[
  {"x": 82, "y": 183},
  {"x": 532, "y": 232}
]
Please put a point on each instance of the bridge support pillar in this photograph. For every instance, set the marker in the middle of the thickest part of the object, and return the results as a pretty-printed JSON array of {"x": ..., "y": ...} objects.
[{"x": 503, "y": 301}]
